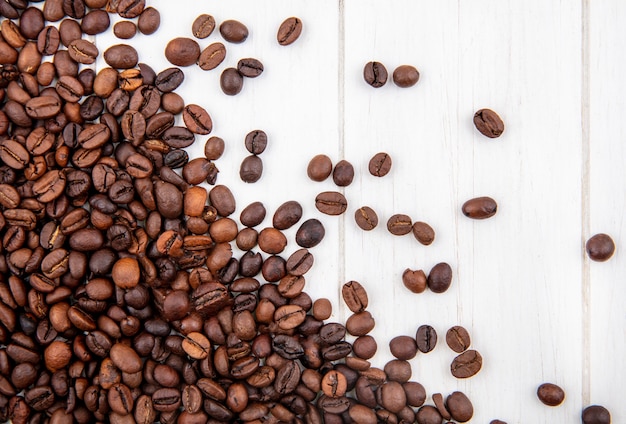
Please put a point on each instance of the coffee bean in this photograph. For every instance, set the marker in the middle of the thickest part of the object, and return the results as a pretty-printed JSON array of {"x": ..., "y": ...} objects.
[
  {"x": 380, "y": 164},
  {"x": 334, "y": 384},
  {"x": 231, "y": 81},
  {"x": 399, "y": 224},
  {"x": 460, "y": 407},
  {"x": 406, "y": 76},
  {"x": 550, "y": 394},
  {"x": 403, "y": 347},
  {"x": 458, "y": 339},
  {"x": 414, "y": 280},
  {"x": 441, "y": 407},
  {"x": 600, "y": 247},
  {"x": 95, "y": 22},
  {"x": 319, "y": 168},
  {"x": 149, "y": 21},
  {"x": 343, "y": 174},
  {"x": 203, "y": 26},
  {"x": 359, "y": 324},
  {"x": 426, "y": 338},
  {"x": 375, "y": 74},
  {"x": 366, "y": 218},
  {"x": 125, "y": 358},
  {"x": 212, "y": 56},
  {"x": 596, "y": 414},
  {"x": 289, "y": 31},
  {"x": 125, "y": 30},
  {"x": 467, "y": 364},
  {"x": 355, "y": 296},
  {"x": 182, "y": 51},
  {"x": 197, "y": 119},
  {"x": 196, "y": 345},
  {"x": 428, "y": 415},
  {"x": 169, "y": 79},
  {"x": 488, "y": 123},
  {"x": 423, "y": 233},
  {"x": 440, "y": 278},
  {"x": 480, "y": 208},
  {"x": 83, "y": 51},
  {"x": 250, "y": 67},
  {"x": 233, "y": 31},
  {"x": 121, "y": 56},
  {"x": 331, "y": 203},
  {"x": 310, "y": 233}
]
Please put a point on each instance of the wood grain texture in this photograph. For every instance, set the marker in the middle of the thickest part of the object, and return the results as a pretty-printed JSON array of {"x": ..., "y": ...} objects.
[{"x": 519, "y": 277}]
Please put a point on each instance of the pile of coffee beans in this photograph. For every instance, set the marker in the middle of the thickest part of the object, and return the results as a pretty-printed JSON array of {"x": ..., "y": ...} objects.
[{"x": 121, "y": 297}]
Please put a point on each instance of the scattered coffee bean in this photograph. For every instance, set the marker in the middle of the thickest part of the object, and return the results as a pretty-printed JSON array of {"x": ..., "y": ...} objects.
[
  {"x": 231, "y": 81},
  {"x": 423, "y": 233},
  {"x": 256, "y": 142},
  {"x": 289, "y": 31},
  {"x": 415, "y": 281},
  {"x": 467, "y": 364},
  {"x": 331, "y": 203},
  {"x": 124, "y": 29},
  {"x": 182, "y": 51},
  {"x": 596, "y": 414},
  {"x": 234, "y": 31},
  {"x": 380, "y": 164},
  {"x": 480, "y": 208},
  {"x": 440, "y": 278},
  {"x": 310, "y": 233},
  {"x": 203, "y": 26},
  {"x": 366, "y": 218},
  {"x": 488, "y": 123},
  {"x": 399, "y": 224},
  {"x": 251, "y": 169},
  {"x": 426, "y": 338},
  {"x": 355, "y": 296},
  {"x": 149, "y": 21},
  {"x": 406, "y": 76},
  {"x": 212, "y": 56},
  {"x": 458, "y": 339},
  {"x": 460, "y": 407},
  {"x": 343, "y": 174},
  {"x": 249, "y": 67},
  {"x": 375, "y": 74},
  {"x": 600, "y": 247},
  {"x": 403, "y": 347},
  {"x": 319, "y": 168},
  {"x": 550, "y": 394}
]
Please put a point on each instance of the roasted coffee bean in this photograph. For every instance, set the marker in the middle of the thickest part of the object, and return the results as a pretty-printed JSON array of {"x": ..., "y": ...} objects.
[
  {"x": 203, "y": 26},
  {"x": 366, "y": 218},
  {"x": 250, "y": 67},
  {"x": 223, "y": 200},
  {"x": 319, "y": 168},
  {"x": 375, "y": 74},
  {"x": 423, "y": 233},
  {"x": 149, "y": 21},
  {"x": 380, "y": 164},
  {"x": 426, "y": 338},
  {"x": 125, "y": 30},
  {"x": 289, "y": 31},
  {"x": 403, "y": 347},
  {"x": 550, "y": 394},
  {"x": 231, "y": 81},
  {"x": 440, "y": 278},
  {"x": 458, "y": 339},
  {"x": 466, "y": 364},
  {"x": 596, "y": 414},
  {"x": 399, "y": 224},
  {"x": 310, "y": 233},
  {"x": 600, "y": 247},
  {"x": 196, "y": 345},
  {"x": 334, "y": 384},
  {"x": 406, "y": 76},
  {"x": 415, "y": 393},
  {"x": 480, "y": 208},
  {"x": 415, "y": 281},
  {"x": 233, "y": 31},
  {"x": 460, "y": 407},
  {"x": 251, "y": 169},
  {"x": 182, "y": 51},
  {"x": 48, "y": 40},
  {"x": 169, "y": 79},
  {"x": 82, "y": 51},
  {"x": 256, "y": 142},
  {"x": 440, "y": 405},
  {"x": 488, "y": 123},
  {"x": 331, "y": 203},
  {"x": 428, "y": 415},
  {"x": 166, "y": 399},
  {"x": 355, "y": 296},
  {"x": 197, "y": 119},
  {"x": 95, "y": 22},
  {"x": 121, "y": 56},
  {"x": 212, "y": 56},
  {"x": 359, "y": 324}
]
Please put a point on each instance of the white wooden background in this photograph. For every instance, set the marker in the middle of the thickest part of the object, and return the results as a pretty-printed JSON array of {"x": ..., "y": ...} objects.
[{"x": 536, "y": 308}]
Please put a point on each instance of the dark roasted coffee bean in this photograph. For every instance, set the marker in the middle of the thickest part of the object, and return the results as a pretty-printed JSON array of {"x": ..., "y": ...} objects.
[
  {"x": 299, "y": 262},
  {"x": 223, "y": 200},
  {"x": 426, "y": 338},
  {"x": 380, "y": 164},
  {"x": 166, "y": 399},
  {"x": 250, "y": 67},
  {"x": 121, "y": 56},
  {"x": 182, "y": 51},
  {"x": 287, "y": 215},
  {"x": 488, "y": 123},
  {"x": 415, "y": 393},
  {"x": 169, "y": 79},
  {"x": 355, "y": 296},
  {"x": 596, "y": 414},
  {"x": 130, "y": 8},
  {"x": 600, "y": 247},
  {"x": 366, "y": 218},
  {"x": 125, "y": 30},
  {"x": 231, "y": 81},
  {"x": 440, "y": 278},
  {"x": 149, "y": 21},
  {"x": 331, "y": 203},
  {"x": 406, "y": 76},
  {"x": 458, "y": 339},
  {"x": 253, "y": 214},
  {"x": 460, "y": 407},
  {"x": 375, "y": 74},
  {"x": 256, "y": 142},
  {"x": 233, "y": 31},
  {"x": 399, "y": 224},
  {"x": 95, "y": 22},
  {"x": 480, "y": 208},
  {"x": 251, "y": 169},
  {"x": 550, "y": 394},
  {"x": 310, "y": 233},
  {"x": 403, "y": 347},
  {"x": 289, "y": 31},
  {"x": 423, "y": 233},
  {"x": 343, "y": 174},
  {"x": 203, "y": 26},
  {"x": 466, "y": 364},
  {"x": 212, "y": 56}
]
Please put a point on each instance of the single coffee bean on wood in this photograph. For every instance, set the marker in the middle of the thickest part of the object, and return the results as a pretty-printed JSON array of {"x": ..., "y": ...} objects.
[
  {"x": 289, "y": 31},
  {"x": 355, "y": 296},
  {"x": 380, "y": 164},
  {"x": 399, "y": 224},
  {"x": 251, "y": 169},
  {"x": 182, "y": 51},
  {"x": 423, "y": 233},
  {"x": 250, "y": 67},
  {"x": 343, "y": 174},
  {"x": 460, "y": 407},
  {"x": 458, "y": 339},
  {"x": 203, "y": 26},
  {"x": 467, "y": 364},
  {"x": 231, "y": 81},
  {"x": 234, "y": 31},
  {"x": 366, "y": 218},
  {"x": 403, "y": 347},
  {"x": 440, "y": 277},
  {"x": 212, "y": 56},
  {"x": 550, "y": 394},
  {"x": 406, "y": 76},
  {"x": 149, "y": 21},
  {"x": 319, "y": 167},
  {"x": 426, "y": 338},
  {"x": 480, "y": 208},
  {"x": 375, "y": 74},
  {"x": 331, "y": 203},
  {"x": 414, "y": 280},
  {"x": 256, "y": 142},
  {"x": 488, "y": 123},
  {"x": 600, "y": 247},
  {"x": 310, "y": 233},
  {"x": 596, "y": 414}
]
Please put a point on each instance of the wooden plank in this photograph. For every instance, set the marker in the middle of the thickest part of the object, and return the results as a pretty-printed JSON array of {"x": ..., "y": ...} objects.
[
  {"x": 517, "y": 276},
  {"x": 607, "y": 198}
]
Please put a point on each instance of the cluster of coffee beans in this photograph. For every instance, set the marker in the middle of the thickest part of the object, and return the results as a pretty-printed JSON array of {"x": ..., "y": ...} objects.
[{"x": 404, "y": 76}]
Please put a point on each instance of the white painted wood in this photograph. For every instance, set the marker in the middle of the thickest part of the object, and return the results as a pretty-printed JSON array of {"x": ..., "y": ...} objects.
[
  {"x": 518, "y": 277},
  {"x": 607, "y": 201}
]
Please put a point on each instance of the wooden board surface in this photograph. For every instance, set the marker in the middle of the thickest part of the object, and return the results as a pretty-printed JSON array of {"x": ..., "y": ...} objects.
[{"x": 537, "y": 309}]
